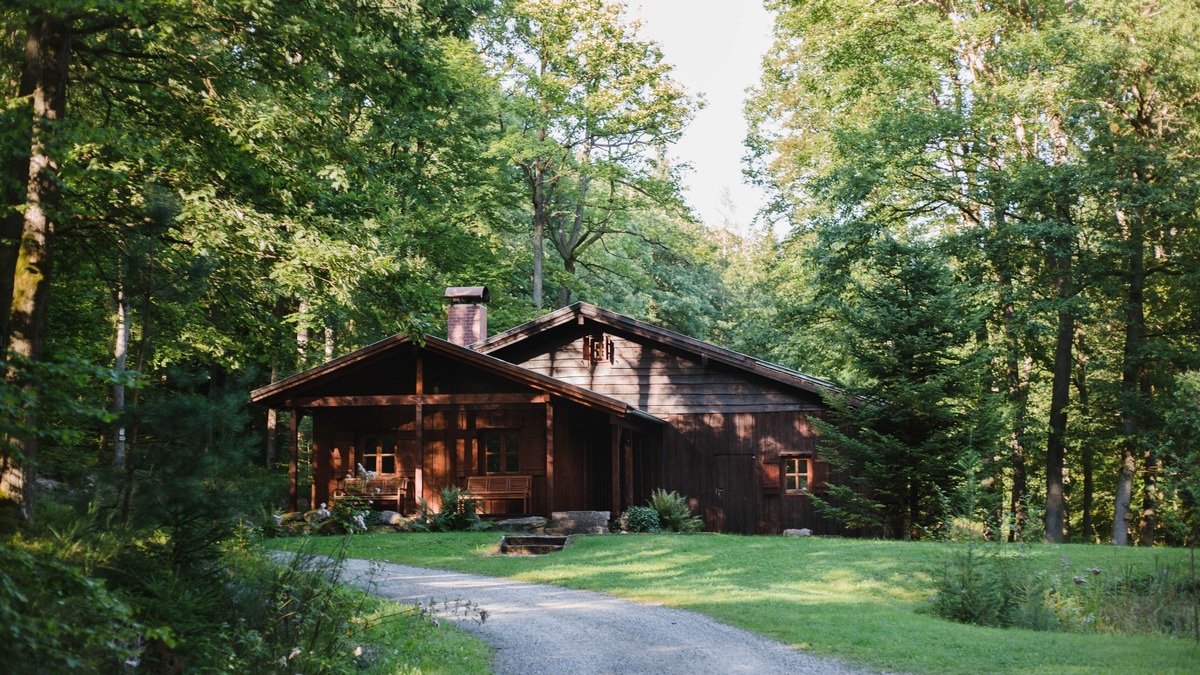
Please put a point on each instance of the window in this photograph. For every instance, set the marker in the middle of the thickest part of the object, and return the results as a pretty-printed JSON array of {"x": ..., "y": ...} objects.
[
  {"x": 796, "y": 471},
  {"x": 379, "y": 453},
  {"x": 501, "y": 451},
  {"x": 597, "y": 348}
]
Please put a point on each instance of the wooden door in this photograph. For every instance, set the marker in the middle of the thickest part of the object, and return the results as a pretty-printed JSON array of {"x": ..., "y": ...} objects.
[{"x": 734, "y": 495}]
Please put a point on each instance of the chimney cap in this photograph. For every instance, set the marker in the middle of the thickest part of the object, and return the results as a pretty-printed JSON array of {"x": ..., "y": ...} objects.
[{"x": 459, "y": 295}]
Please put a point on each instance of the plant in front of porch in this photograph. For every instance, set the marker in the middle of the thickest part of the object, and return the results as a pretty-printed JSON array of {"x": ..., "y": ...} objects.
[
  {"x": 459, "y": 512},
  {"x": 674, "y": 513},
  {"x": 641, "y": 519}
]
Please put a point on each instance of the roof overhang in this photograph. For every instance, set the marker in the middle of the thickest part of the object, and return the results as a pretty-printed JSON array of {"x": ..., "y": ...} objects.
[{"x": 279, "y": 393}]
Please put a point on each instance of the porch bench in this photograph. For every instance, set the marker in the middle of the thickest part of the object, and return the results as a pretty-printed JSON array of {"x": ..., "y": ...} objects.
[
  {"x": 379, "y": 490},
  {"x": 501, "y": 487}
]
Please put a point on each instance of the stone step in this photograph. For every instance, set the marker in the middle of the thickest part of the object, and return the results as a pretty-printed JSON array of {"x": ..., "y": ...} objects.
[{"x": 531, "y": 544}]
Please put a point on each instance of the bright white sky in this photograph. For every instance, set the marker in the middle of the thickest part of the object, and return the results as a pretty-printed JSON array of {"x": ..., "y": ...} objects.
[{"x": 716, "y": 47}]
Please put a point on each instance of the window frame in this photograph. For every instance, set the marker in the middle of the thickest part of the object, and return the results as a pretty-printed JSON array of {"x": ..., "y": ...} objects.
[
  {"x": 807, "y": 473},
  {"x": 507, "y": 450},
  {"x": 376, "y": 463}
]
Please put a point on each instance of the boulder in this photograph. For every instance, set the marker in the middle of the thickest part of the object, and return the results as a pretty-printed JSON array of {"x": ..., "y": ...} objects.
[
  {"x": 530, "y": 524},
  {"x": 578, "y": 522},
  {"x": 329, "y": 526},
  {"x": 802, "y": 532}
]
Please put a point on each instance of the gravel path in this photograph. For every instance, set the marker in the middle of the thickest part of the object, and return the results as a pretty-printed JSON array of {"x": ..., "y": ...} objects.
[{"x": 546, "y": 629}]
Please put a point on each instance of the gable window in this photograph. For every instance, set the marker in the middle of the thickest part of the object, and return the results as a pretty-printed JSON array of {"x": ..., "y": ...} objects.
[
  {"x": 597, "y": 348},
  {"x": 796, "y": 474},
  {"x": 378, "y": 453},
  {"x": 501, "y": 451}
]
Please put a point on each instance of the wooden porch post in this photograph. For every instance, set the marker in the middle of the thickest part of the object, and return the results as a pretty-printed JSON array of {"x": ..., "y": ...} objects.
[
  {"x": 627, "y": 447},
  {"x": 419, "y": 431},
  {"x": 616, "y": 468},
  {"x": 294, "y": 460},
  {"x": 549, "y": 457}
]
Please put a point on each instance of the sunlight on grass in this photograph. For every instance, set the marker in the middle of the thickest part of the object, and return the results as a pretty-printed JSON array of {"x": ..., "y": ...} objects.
[{"x": 861, "y": 600}]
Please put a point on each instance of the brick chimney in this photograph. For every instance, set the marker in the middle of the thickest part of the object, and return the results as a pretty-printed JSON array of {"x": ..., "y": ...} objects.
[{"x": 467, "y": 319}]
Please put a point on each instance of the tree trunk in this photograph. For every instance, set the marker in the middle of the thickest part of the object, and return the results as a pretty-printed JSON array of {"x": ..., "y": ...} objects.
[
  {"x": 272, "y": 422},
  {"x": 1149, "y": 498},
  {"x": 1018, "y": 373},
  {"x": 1060, "y": 390},
  {"x": 120, "y": 358},
  {"x": 1135, "y": 384},
  {"x": 539, "y": 232},
  {"x": 1121, "y": 514},
  {"x": 44, "y": 78},
  {"x": 302, "y": 333},
  {"x": 1088, "y": 456},
  {"x": 564, "y": 291}
]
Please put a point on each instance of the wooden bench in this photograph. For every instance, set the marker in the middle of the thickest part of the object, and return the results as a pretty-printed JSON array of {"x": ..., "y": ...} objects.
[
  {"x": 378, "y": 490},
  {"x": 501, "y": 487}
]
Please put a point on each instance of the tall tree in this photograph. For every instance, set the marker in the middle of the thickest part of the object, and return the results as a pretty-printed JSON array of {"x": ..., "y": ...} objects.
[
  {"x": 590, "y": 109},
  {"x": 256, "y": 121}
]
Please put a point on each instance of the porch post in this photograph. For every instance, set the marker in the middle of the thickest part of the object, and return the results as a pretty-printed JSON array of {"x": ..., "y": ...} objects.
[
  {"x": 294, "y": 460},
  {"x": 549, "y": 457},
  {"x": 419, "y": 430},
  {"x": 627, "y": 446},
  {"x": 615, "y": 451}
]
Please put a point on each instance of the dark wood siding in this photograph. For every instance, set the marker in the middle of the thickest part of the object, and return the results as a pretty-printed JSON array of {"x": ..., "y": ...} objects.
[
  {"x": 665, "y": 383},
  {"x": 582, "y": 459},
  {"x": 729, "y": 464}
]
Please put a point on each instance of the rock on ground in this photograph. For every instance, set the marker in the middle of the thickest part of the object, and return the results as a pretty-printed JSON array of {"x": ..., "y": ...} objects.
[{"x": 546, "y": 629}]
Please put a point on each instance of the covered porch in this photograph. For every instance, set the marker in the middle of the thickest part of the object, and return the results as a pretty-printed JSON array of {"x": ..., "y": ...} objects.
[{"x": 438, "y": 414}]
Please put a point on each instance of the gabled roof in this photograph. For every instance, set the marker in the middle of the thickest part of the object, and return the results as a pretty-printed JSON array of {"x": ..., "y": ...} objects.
[
  {"x": 278, "y": 392},
  {"x": 704, "y": 350}
]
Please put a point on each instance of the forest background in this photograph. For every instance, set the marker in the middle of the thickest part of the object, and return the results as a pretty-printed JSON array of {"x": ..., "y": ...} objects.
[{"x": 983, "y": 220}]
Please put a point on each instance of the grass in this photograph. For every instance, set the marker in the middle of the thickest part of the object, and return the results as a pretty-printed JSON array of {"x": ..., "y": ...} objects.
[
  {"x": 397, "y": 640},
  {"x": 860, "y": 600}
]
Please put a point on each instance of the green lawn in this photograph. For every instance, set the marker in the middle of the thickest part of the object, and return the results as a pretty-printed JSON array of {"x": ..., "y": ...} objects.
[
  {"x": 859, "y": 600},
  {"x": 399, "y": 641}
]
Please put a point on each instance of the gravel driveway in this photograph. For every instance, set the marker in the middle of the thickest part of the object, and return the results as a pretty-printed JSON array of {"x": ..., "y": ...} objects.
[{"x": 546, "y": 629}]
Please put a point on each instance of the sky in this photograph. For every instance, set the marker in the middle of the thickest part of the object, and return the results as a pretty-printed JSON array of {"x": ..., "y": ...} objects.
[{"x": 716, "y": 47}]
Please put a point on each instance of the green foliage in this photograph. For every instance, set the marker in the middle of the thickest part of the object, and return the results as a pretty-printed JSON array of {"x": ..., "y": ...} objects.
[
  {"x": 992, "y": 586},
  {"x": 978, "y": 586},
  {"x": 1019, "y": 144},
  {"x": 51, "y": 386},
  {"x": 138, "y": 608},
  {"x": 458, "y": 513},
  {"x": 674, "y": 513},
  {"x": 590, "y": 107},
  {"x": 641, "y": 519},
  {"x": 53, "y": 618},
  {"x": 352, "y": 513},
  {"x": 901, "y": 323}
]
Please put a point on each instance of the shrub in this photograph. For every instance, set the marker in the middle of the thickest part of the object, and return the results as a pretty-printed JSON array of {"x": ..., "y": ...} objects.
[
  {"x": 994, "y": 589},
  {"x": 674, "y": 514},
  {"x": 55, "y": 619},
  {"x": 975, "y": 588},
  {"x": 641, "y": 519},
  {"x": 458, "y": 513},
  {"x": 352, "y": 513}
]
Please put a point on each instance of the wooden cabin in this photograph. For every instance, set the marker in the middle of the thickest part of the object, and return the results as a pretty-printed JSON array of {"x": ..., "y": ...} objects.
[{"x": 597, "y": 409}]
